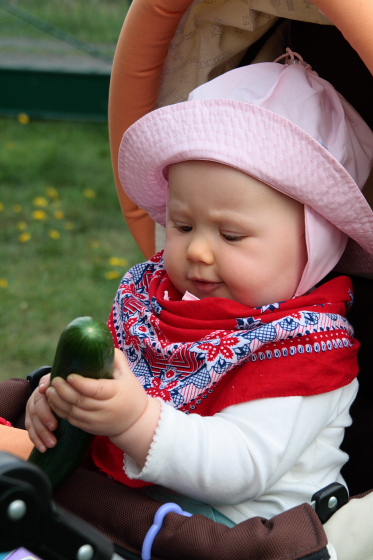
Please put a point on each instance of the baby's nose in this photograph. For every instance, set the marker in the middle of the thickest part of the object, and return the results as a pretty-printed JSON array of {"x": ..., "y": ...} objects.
[{"x": 200, "y": 250}]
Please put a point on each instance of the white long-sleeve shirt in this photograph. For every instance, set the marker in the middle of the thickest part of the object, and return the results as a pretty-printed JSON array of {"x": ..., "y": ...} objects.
[{"x": 257, "y": 458}]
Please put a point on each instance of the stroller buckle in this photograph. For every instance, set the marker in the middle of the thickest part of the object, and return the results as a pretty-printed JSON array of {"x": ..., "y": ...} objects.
[{"x": 328, "y": 500}]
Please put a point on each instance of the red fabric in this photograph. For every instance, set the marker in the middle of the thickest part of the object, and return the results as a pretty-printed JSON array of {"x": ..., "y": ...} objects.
[
  {"x": 304, "y": 360},
  {"x": 299, "y": 374}
]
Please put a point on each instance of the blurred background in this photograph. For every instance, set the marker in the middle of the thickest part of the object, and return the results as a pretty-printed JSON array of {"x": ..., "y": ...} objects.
[{"x": 64, "y": 244}]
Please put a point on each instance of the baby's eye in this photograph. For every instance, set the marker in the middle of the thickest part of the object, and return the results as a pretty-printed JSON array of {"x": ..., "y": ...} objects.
[
  {"x": 183, "y": 228},
  {"x": 232, "y": 236}
]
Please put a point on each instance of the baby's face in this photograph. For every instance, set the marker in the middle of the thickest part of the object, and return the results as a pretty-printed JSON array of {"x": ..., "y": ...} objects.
[{"x": 229, "y": 235}]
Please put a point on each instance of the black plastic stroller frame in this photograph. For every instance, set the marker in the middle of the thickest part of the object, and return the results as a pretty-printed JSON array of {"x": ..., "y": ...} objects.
[{"x": 29, "y": 518}]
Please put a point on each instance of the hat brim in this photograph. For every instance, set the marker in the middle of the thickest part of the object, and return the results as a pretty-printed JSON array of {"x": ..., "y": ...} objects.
[{"x": 256, "y": 141}]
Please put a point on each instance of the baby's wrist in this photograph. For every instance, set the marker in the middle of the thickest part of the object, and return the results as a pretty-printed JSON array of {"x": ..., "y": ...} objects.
[{"x": 136, "y": 440}]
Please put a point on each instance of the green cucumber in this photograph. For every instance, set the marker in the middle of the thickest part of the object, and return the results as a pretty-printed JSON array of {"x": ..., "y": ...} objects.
[{"x": 85, "y": 347}]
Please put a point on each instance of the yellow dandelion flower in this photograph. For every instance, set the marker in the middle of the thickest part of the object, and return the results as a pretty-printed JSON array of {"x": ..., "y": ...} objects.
[
  {"x": 39, "y": 215},
  {"x": 115, "y": 261},
  {"x": 112, "y": 275},
  {"x": 23, "y": 118},
  {"x": 69, "y": 226},
  {"x": 89, "y": 193},
  {"x": 59, "y": 214},
  {"x": 17, "y": 208},
  {"x": 10, "y": 145},
  {"x": 24, "y": 237},
  {"x": 95, "y": 244},
  {"x": 2, "y": 206},
  {"x": 4, "y": 283},
  {"x": 52, "y": 192},
  {"x": 21, "y": 226},
  {"x": 40, "y": 201},
  {"x": 54, "y": 234}
]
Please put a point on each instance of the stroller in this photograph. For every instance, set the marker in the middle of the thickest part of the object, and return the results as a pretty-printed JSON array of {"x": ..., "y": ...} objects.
[{"x": 208, "y": 37}]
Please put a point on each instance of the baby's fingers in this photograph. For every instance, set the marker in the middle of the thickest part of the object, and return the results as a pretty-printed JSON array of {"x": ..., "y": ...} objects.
[
  {"x": 72, "y": 399},
  {"x": 40, "y": 436},
  {"x": 62, "y": 397},
  {"x": 38, "y": 408},
  {"x": 44, "y": 383},
  {"x": 40, "y": 421},
  {"x": 70, "y": 407},
  {"x": 97, "y": 389}
]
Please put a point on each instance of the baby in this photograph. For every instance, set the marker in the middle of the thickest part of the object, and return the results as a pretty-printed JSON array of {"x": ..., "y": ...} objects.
[{"x": 236, "y": 370}]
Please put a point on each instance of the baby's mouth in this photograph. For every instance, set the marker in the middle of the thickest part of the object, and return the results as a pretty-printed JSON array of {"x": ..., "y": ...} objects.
[{"x": 205, "y": 286}]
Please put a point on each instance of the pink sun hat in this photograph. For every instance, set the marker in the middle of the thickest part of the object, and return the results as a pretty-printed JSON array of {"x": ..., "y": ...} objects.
[{"x": 287, "y": 127}]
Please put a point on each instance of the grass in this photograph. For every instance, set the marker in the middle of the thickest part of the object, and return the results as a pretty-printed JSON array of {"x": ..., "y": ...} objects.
[
  {"x": 94, "y": 21},
  {"x": 64, "y": 243}
]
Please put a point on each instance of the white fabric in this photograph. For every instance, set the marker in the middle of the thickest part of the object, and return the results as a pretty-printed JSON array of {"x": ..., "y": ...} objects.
[
  {"x": 332, "y": 552},
  {"x": 350, "y": 530},
  {"x": 258, "y": 458}
]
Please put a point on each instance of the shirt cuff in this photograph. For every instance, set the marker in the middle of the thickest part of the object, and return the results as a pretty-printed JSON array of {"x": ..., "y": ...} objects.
[{"x": 147, "y": 473}]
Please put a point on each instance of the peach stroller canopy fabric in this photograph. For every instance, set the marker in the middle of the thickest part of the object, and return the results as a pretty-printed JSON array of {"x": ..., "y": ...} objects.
[{"x": 16, "y": 441}]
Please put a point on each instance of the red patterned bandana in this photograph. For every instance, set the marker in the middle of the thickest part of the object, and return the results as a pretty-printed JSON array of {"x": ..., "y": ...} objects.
[{"x": 202, "y": 356}]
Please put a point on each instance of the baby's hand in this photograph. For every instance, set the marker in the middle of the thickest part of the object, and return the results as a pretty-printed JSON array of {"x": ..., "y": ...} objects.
[
  {"x": 40, "y": 420},
  {"x": 100, "y": 406}
]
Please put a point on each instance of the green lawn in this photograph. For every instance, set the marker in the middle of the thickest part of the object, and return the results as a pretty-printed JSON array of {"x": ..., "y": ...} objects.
[
  {"x": 94, "y": 21},
  {"x": 64, "y": 243}
]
